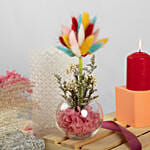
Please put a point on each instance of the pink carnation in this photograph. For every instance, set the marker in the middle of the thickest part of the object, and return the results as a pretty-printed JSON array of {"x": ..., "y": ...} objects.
[{"x": 72, "y": 122}]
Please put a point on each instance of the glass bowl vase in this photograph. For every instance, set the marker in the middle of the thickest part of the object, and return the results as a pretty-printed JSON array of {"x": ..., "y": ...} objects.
[{"x": 79, "y": 122}]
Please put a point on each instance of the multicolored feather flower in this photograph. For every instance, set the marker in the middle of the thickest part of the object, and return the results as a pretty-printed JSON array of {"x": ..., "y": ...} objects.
[{"x": 81, "y": 39}]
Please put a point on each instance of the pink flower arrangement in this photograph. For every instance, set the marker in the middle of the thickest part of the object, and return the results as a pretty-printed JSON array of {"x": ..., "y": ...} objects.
[
  {"x": 73, "y": 122},
  {"x": 11, "y": 78}
]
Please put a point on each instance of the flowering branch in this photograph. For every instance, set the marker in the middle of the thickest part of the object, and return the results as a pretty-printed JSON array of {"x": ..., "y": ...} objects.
[{"x": 80, "y": 91}]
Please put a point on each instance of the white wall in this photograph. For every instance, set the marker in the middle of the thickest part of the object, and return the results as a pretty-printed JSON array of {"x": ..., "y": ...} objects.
[{"x": 29, "y": 24}]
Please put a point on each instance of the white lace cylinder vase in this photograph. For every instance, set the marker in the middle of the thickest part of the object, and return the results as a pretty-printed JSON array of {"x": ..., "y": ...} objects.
[{"x": 43, "y": 65}]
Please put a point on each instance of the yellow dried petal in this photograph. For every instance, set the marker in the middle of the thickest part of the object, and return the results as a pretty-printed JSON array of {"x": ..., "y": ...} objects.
[
  {"x": 66, "y": 40},
  {"x": 86, "y": 45},
  {"x": 85, "y": 20}
]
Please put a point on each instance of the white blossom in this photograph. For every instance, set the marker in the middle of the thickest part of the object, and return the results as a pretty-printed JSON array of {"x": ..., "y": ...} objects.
[
  {"x": 71, "y": 85},
  {"x": 71, "y": 68}
]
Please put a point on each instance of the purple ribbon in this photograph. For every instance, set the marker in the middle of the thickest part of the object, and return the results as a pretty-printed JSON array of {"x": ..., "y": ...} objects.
[{"x": 132, "y": 140}]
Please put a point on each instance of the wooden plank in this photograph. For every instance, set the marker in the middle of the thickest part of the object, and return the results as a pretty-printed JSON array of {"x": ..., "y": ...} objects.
[
  {"x": 55, "y": 137},
  {"x": 52, "y": 146},
  {"x": 122, "y": 147},
  {"x": 139, "y": 131},
  {"x": 107, "y": 142},
  {"x": 113, "y": 140},
  {"x": 147, "y": 147},
  {"x": 110, "y": 116},
  {"x": 102, "y": 133},
  {"x": 79, "y": 143},
  {"x": 145, "y": 140},
  {"x": 122, "y": 124}
]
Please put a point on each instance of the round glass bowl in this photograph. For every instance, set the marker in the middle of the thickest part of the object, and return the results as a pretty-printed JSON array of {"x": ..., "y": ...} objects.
[{"x": 79, "y": 123}]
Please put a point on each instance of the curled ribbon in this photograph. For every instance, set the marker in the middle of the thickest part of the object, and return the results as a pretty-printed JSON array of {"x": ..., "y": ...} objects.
[{"x": 132, "y": 140}]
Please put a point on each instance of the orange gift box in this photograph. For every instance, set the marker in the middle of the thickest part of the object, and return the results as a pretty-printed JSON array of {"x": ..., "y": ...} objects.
[{"x": 133, "y": 107}]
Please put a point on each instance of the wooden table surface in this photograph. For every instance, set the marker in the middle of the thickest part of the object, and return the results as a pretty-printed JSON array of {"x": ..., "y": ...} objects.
[{"x": 104, "y": 139}]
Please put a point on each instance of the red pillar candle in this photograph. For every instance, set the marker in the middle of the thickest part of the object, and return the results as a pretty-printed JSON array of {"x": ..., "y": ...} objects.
[{"x": 138, "y": 71}]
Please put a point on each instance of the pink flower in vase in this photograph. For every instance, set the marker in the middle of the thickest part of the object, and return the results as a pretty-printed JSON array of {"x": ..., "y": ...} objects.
[{"x": 72, "y": 122}]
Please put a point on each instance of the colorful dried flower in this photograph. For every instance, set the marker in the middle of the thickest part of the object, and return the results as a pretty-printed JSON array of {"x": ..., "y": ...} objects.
[{"x": 81, "y": 39}]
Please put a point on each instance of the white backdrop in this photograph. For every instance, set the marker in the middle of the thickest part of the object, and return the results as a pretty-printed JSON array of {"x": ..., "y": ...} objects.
[{"x": 31, "y": 24}]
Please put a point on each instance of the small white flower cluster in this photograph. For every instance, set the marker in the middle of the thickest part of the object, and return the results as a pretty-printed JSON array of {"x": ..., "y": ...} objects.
[
  {"x": 71, "y": 68},
  {"x": 81, "y": 87},
  {"x": 71, "y": 85},
  {"x": 92, "y": 78}
]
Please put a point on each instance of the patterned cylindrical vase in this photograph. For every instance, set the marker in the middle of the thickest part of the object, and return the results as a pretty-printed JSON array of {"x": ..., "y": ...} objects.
[{"x": 43, "y": 65}]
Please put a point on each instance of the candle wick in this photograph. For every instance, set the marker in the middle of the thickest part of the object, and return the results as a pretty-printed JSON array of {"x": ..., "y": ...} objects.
[{"x": 140, "y": 46}]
